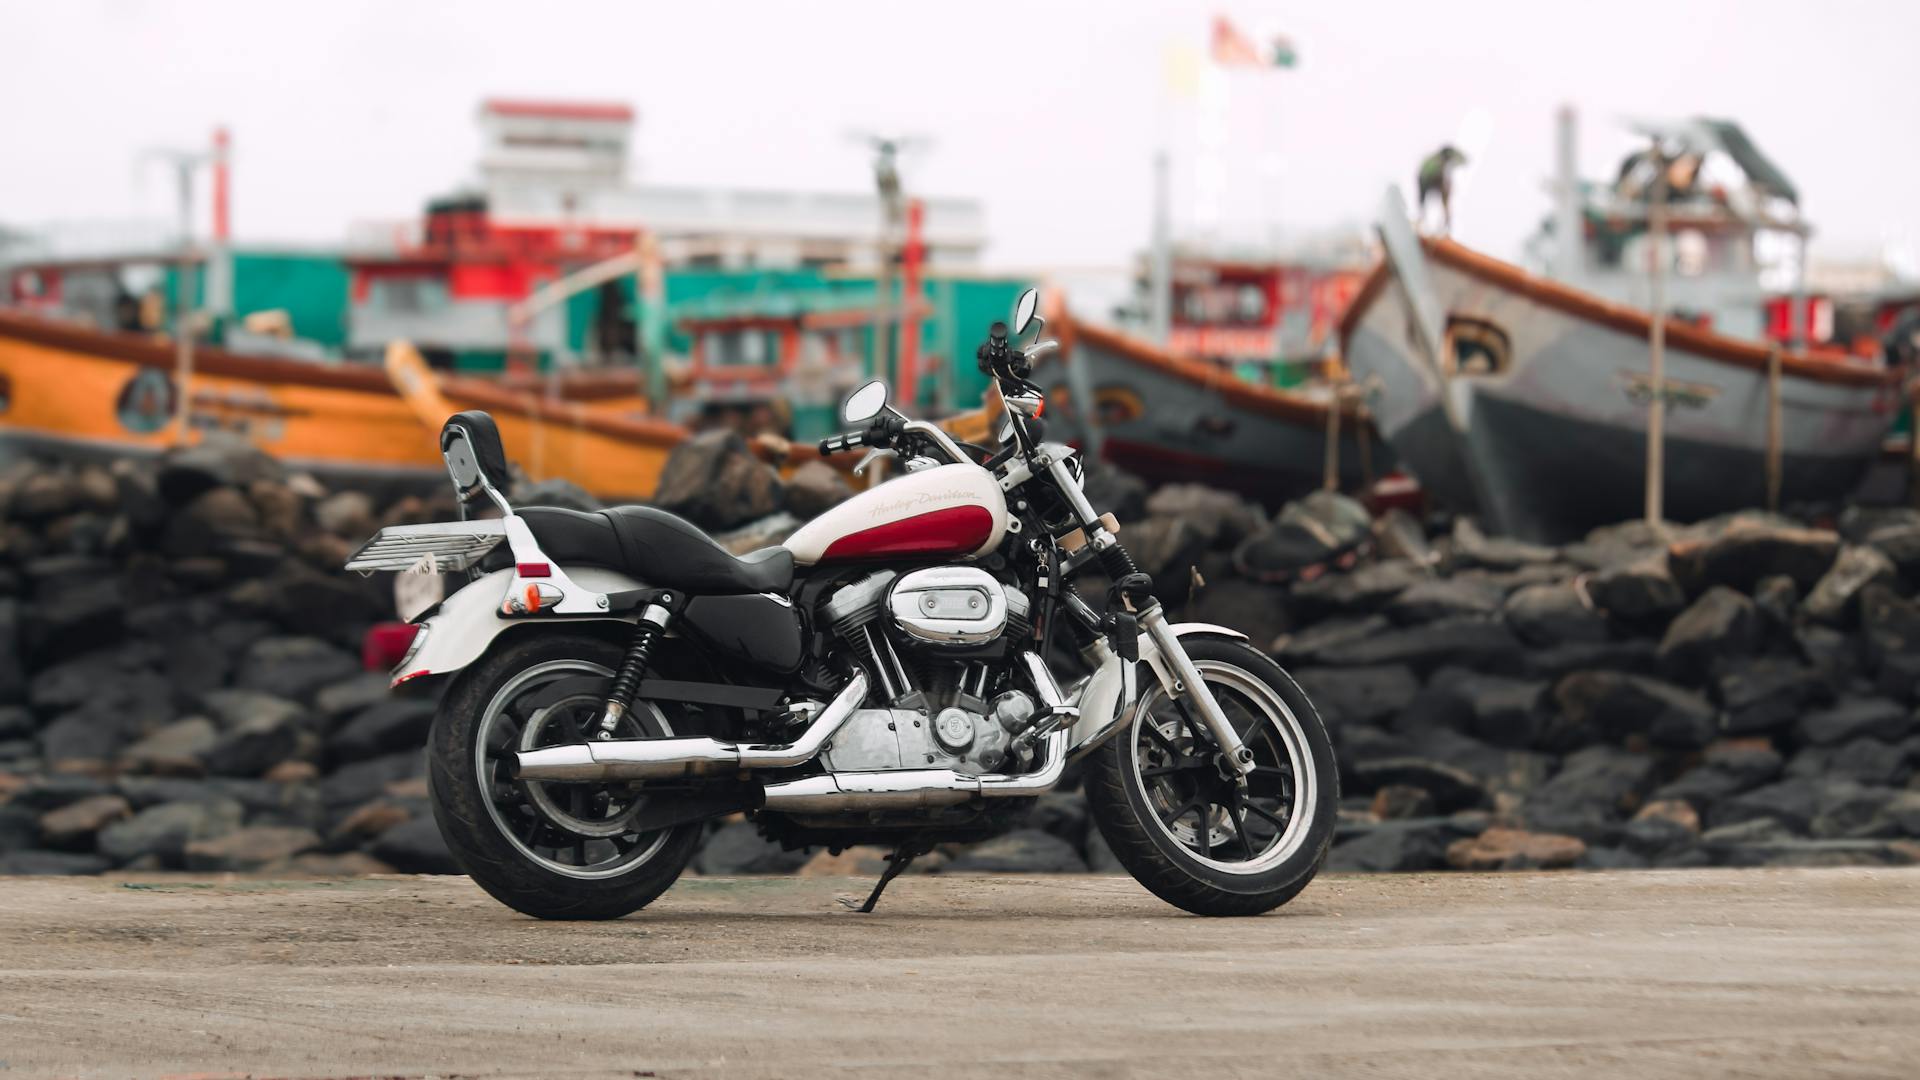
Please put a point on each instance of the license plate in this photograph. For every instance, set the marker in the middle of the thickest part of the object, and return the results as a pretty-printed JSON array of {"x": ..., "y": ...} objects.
[{"x": 418, "y": 588}]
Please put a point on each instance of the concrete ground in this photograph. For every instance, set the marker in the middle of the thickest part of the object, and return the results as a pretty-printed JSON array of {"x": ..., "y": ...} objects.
[{"x": 1788, "y": 973}]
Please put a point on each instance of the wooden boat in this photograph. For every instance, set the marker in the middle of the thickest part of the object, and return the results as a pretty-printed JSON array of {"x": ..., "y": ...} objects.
[
  {"x": 74, "y": 391},
  {"x": 1167, "y": 418},
  {"x": 1534, "y": 411}
]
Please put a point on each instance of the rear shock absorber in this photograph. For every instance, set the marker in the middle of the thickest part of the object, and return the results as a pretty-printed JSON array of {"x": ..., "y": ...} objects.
[{"x": 633, "y": 667}]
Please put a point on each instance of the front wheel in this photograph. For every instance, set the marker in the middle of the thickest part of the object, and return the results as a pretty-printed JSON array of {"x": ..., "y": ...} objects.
[
  {"x": 1191, "y": 835},
  {"x": 550, "y": 850}
]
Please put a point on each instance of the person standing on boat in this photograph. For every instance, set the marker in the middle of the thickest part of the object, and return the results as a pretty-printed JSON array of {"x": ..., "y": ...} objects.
[{"x": 1436, "y": 178}]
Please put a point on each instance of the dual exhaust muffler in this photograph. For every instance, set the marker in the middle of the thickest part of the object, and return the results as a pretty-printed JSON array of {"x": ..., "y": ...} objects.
[{"x": 654, "y": 759}]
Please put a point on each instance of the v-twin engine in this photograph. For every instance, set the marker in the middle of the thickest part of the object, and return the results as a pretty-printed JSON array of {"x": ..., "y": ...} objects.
[{"x": 948, "y": 616}]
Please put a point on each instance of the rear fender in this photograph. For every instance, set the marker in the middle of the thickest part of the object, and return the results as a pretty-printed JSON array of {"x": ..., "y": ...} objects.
[{"x": 469, "y": 621}]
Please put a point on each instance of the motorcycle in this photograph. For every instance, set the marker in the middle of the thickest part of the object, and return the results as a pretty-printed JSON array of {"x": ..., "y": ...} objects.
[{"x": 913, "y": 667}]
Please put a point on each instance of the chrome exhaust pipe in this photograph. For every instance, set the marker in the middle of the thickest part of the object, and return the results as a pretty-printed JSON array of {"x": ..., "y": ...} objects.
[
  {"x": 651, "y": 759},
  {"x": 915, "y": 789}
]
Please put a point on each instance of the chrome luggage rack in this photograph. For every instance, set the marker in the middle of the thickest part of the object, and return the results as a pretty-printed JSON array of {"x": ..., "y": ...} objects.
[{"x": 454, "y": 545}]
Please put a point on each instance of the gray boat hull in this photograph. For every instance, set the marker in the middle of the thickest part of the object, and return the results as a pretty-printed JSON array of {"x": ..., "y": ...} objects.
[{"x": 1553, "y": 440}]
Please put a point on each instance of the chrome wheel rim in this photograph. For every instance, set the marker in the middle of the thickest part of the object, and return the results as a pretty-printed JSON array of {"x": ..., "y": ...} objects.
[
  {"x": 1191, "y": 800},
  {"x": 576, "y": 830}
]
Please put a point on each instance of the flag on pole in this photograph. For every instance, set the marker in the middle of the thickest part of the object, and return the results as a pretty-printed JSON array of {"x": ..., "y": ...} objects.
[{"x": 1232, "y": 48}]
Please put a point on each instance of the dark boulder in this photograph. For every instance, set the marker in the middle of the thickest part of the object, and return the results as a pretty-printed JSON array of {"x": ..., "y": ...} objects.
[
  {"x": 715, "y": 481},
  {"x": 1862, "y": 760},
  {"x": 1749, "y": 550},
  {"x": 1790, "y": 804},
  {"x": 1615, "y": 705},
  {"x": 1166, "y": 547},
  {"x": 738, "y": 848},
  {"x": 1365, "y": 589},
  {"x": 294, "y": 667},
  {"x": 1449, "y": 787},
  {"x": 1440, "y": 598},
  {"x": 815, "y": 488},
  {"x": 1720, "y": 624},
  {"x": 1398, "y": 535},
  {"x": 1554, "y": 613},
  {"x": 1306, "y": 533},
  {"x": 352, "y": 785},
  {"x": 166, "y": 830},
  {"x": 1023, "y": 851},
  {"x": 1635, "y": 656},
  {"x": 249, "y": 849},
  {"x": 395, "y": 724},
  {"x": 1594, "y": 786},
  {"x": 1361, "y": 695},
  {"x": 219, "y": 461},
  {"x": 1835, "y": 598},
  {"x": 1481, "y": 643},
  {"x": 1890, "y": 625},
  {"x": 1639, "y": 592},
  {"x": 1304, "y": 645},
  {"x": 1228, "y": 518},
  {"x": 72, "y": 617},
  {"x": 1472, "y": 547},
  {"x": 415, "y": 847},
  {"x": 1394, "y": 847},
  {"x": 1852, "y": 718},
  {"x": 1766, "y": 694},
  {"x": 53, "y": 863}
]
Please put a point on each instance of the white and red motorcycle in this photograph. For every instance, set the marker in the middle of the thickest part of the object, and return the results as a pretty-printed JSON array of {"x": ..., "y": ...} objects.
[{"x": 902, "y": 671}]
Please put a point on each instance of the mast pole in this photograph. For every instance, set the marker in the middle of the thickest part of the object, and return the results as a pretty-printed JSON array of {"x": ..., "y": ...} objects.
[
  {"x": 1657, "y": 342},
  {"x": 183, "y": 306},
  {"x": 1160, "y": 279}
]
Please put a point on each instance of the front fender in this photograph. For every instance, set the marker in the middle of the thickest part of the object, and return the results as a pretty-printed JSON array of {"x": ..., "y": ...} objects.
[
  {"x": 469, "y": 621},
  {"x": 1113, "y": 689}
]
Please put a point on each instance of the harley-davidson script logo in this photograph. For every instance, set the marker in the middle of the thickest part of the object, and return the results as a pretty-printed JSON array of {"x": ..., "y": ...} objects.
[{"x": 912, "y": 503}]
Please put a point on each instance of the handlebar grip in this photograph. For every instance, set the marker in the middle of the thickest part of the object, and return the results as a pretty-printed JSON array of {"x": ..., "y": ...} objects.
[{"x": 834, "y": 444}]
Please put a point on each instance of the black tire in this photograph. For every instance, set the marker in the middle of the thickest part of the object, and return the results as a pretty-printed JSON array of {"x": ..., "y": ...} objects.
[
  {"x": 461, "y": 805},
  {"x": 1124, "y": 808}
]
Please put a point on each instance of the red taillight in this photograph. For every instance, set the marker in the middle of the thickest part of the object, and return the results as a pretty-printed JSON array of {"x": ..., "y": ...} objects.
[
  {"x": 386, "y": 644},
  {"x": 408, "y": 677},
  {"x": 534, "y": 569}
]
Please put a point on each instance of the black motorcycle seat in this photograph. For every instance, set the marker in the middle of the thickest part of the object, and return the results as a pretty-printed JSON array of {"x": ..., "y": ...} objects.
[{"x": 658, "y": 548}]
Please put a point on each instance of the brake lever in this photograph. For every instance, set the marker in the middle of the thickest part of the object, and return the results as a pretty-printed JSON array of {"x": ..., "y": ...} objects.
[{"x": 871, "y": 456}]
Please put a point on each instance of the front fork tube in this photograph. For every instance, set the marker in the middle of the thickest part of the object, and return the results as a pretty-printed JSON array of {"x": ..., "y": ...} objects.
[{"x": 1183, "y": 682}]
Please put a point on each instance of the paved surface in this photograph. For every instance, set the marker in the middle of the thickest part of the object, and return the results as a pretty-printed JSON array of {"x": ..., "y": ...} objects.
[{"x": 1789, "y": 973}]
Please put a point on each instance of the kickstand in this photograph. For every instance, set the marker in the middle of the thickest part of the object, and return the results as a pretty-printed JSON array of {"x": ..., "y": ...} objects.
[{"x": 896, "y": 863}]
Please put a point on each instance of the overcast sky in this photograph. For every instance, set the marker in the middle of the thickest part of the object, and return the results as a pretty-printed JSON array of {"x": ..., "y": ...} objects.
[{"x": 1047, "y": 112}]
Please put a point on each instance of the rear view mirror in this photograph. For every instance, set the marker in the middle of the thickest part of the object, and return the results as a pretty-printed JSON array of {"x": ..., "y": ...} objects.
[
  {"x": 865, "y": 403},
  {"x": 1024, "y": 310}
]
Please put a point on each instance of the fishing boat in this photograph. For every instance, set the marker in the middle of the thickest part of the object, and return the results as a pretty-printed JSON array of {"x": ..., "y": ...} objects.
[
  {"x": 1524, "y": 397},
  {"x": 73, "y": 391},
  {"x": 1169, "y": 418},
  {"x": 1535, "y": 415}
]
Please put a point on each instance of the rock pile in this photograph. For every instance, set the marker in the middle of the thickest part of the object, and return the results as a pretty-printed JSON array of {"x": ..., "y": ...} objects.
[
  {"x": 181, "y": 685},
  {"x": 1732, "y": 693}
]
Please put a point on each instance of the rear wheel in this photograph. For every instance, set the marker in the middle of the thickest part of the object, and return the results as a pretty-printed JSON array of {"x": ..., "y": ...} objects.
[
  {"x": 1187, "y": 831},
  {"x": 550, "y": 850}
]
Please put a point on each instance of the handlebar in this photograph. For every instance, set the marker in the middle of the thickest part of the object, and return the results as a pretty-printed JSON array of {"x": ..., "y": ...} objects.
[{"x": 836, "y": 444}]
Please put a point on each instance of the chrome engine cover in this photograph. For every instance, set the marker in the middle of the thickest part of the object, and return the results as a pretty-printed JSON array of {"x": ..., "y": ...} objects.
[
  {"x": 953, "y": 605},
  {"x": 883, "y": 740}
]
